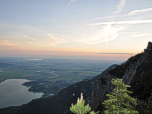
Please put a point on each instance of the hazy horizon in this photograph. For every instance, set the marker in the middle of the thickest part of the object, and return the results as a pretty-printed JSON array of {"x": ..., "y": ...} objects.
[{"x": 91, "y": 29}]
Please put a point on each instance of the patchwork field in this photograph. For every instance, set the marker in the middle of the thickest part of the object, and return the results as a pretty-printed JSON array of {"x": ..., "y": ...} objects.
[{"x": 50, "y": 69}]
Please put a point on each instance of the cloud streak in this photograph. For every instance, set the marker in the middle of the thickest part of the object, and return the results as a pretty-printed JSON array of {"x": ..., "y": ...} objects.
[
  {"x": 73, "y": 0},
  {"x": 123, "y": 22},
  {"x": 118, "y": 53},
  {"x": 110, "y": 33},
  {"x": 70, "y": 3},
  {"x": 111, "y": 30},
  {"x": 25, "y": 36},
  {"x": 140, "y": 34},
  {"x": 106, "y": 34},
  {"x": 134, "y": 12},
  {"x": 120, "y": 6}
]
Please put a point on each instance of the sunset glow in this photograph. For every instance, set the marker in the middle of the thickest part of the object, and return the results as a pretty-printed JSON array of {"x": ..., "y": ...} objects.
[{"x": 92, "y": 29}]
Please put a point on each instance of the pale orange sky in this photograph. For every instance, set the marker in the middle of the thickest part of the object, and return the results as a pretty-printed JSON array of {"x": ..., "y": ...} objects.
[{"x": 78, "y": 29}]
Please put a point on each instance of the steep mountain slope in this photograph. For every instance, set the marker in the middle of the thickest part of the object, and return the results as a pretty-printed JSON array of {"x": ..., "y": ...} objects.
[
  {"x": 59, "y": 103},
  {"x": 136, "y": 72}
]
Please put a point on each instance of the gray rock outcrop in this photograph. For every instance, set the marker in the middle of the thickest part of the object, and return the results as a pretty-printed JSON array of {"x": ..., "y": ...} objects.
[{"x": 129, "y": 70}]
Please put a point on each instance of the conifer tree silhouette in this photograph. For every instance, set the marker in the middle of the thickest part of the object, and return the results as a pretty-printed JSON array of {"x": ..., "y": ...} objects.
[{"x": 119, "y": 102}]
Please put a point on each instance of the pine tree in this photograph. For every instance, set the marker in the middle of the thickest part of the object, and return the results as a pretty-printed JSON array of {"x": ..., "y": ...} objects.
[
  {"x": 119, "y": 99},
  {"x": 79, "y": 107}
]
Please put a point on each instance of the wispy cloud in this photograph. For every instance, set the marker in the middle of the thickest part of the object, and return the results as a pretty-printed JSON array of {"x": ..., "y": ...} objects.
[
  {"x": 106, "y": 34},
  {"x": 122, "y": 22},
  {"x": 110, "y": 33},
  {"x": 134, "y": 12},
  {"x": 118, "y": 53},
  {"x": 73, "y": 0},
  {"x": 109, "y": 17},
  {"x": 6, "y": 44},
  {"x": 138, "y": 34},
  {"x": 67, "y": 6},
  {"x": 107, "y": 31},
  {"x": 70, "y": 3},
  {"x": 120, "y": 6},
  {"x": 111, "y": 30},
  {"x": 25, "y": 36}
]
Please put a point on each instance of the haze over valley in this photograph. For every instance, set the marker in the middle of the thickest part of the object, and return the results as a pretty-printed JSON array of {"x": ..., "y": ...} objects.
[
  {"x": 44, "y": 77},
  {"x": 51, "y": 51}
]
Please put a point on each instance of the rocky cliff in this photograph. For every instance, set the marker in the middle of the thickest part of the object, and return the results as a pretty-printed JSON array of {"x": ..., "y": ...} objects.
[{"x": 136, "y": 72}]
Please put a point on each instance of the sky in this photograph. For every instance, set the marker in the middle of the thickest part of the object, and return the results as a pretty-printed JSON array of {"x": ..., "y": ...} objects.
[{"x": 88, "y": 29}]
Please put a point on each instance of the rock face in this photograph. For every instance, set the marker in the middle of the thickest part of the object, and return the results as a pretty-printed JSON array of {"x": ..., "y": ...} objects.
[
  {"x": 136, "y": 72},
  {"x": 149, "y": 48},
  {"x": 126, "y": 71}
]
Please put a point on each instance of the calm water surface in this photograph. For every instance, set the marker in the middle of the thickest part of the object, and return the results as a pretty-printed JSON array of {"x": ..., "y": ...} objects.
[{"x": 12, "y": 92}]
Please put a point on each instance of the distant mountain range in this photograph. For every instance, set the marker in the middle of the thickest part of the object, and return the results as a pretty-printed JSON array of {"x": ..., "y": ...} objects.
[{"x": 136, "y": 72}]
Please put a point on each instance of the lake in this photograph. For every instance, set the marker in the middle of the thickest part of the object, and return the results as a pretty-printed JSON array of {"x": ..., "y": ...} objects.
[{"x": 12, "y": 92}]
